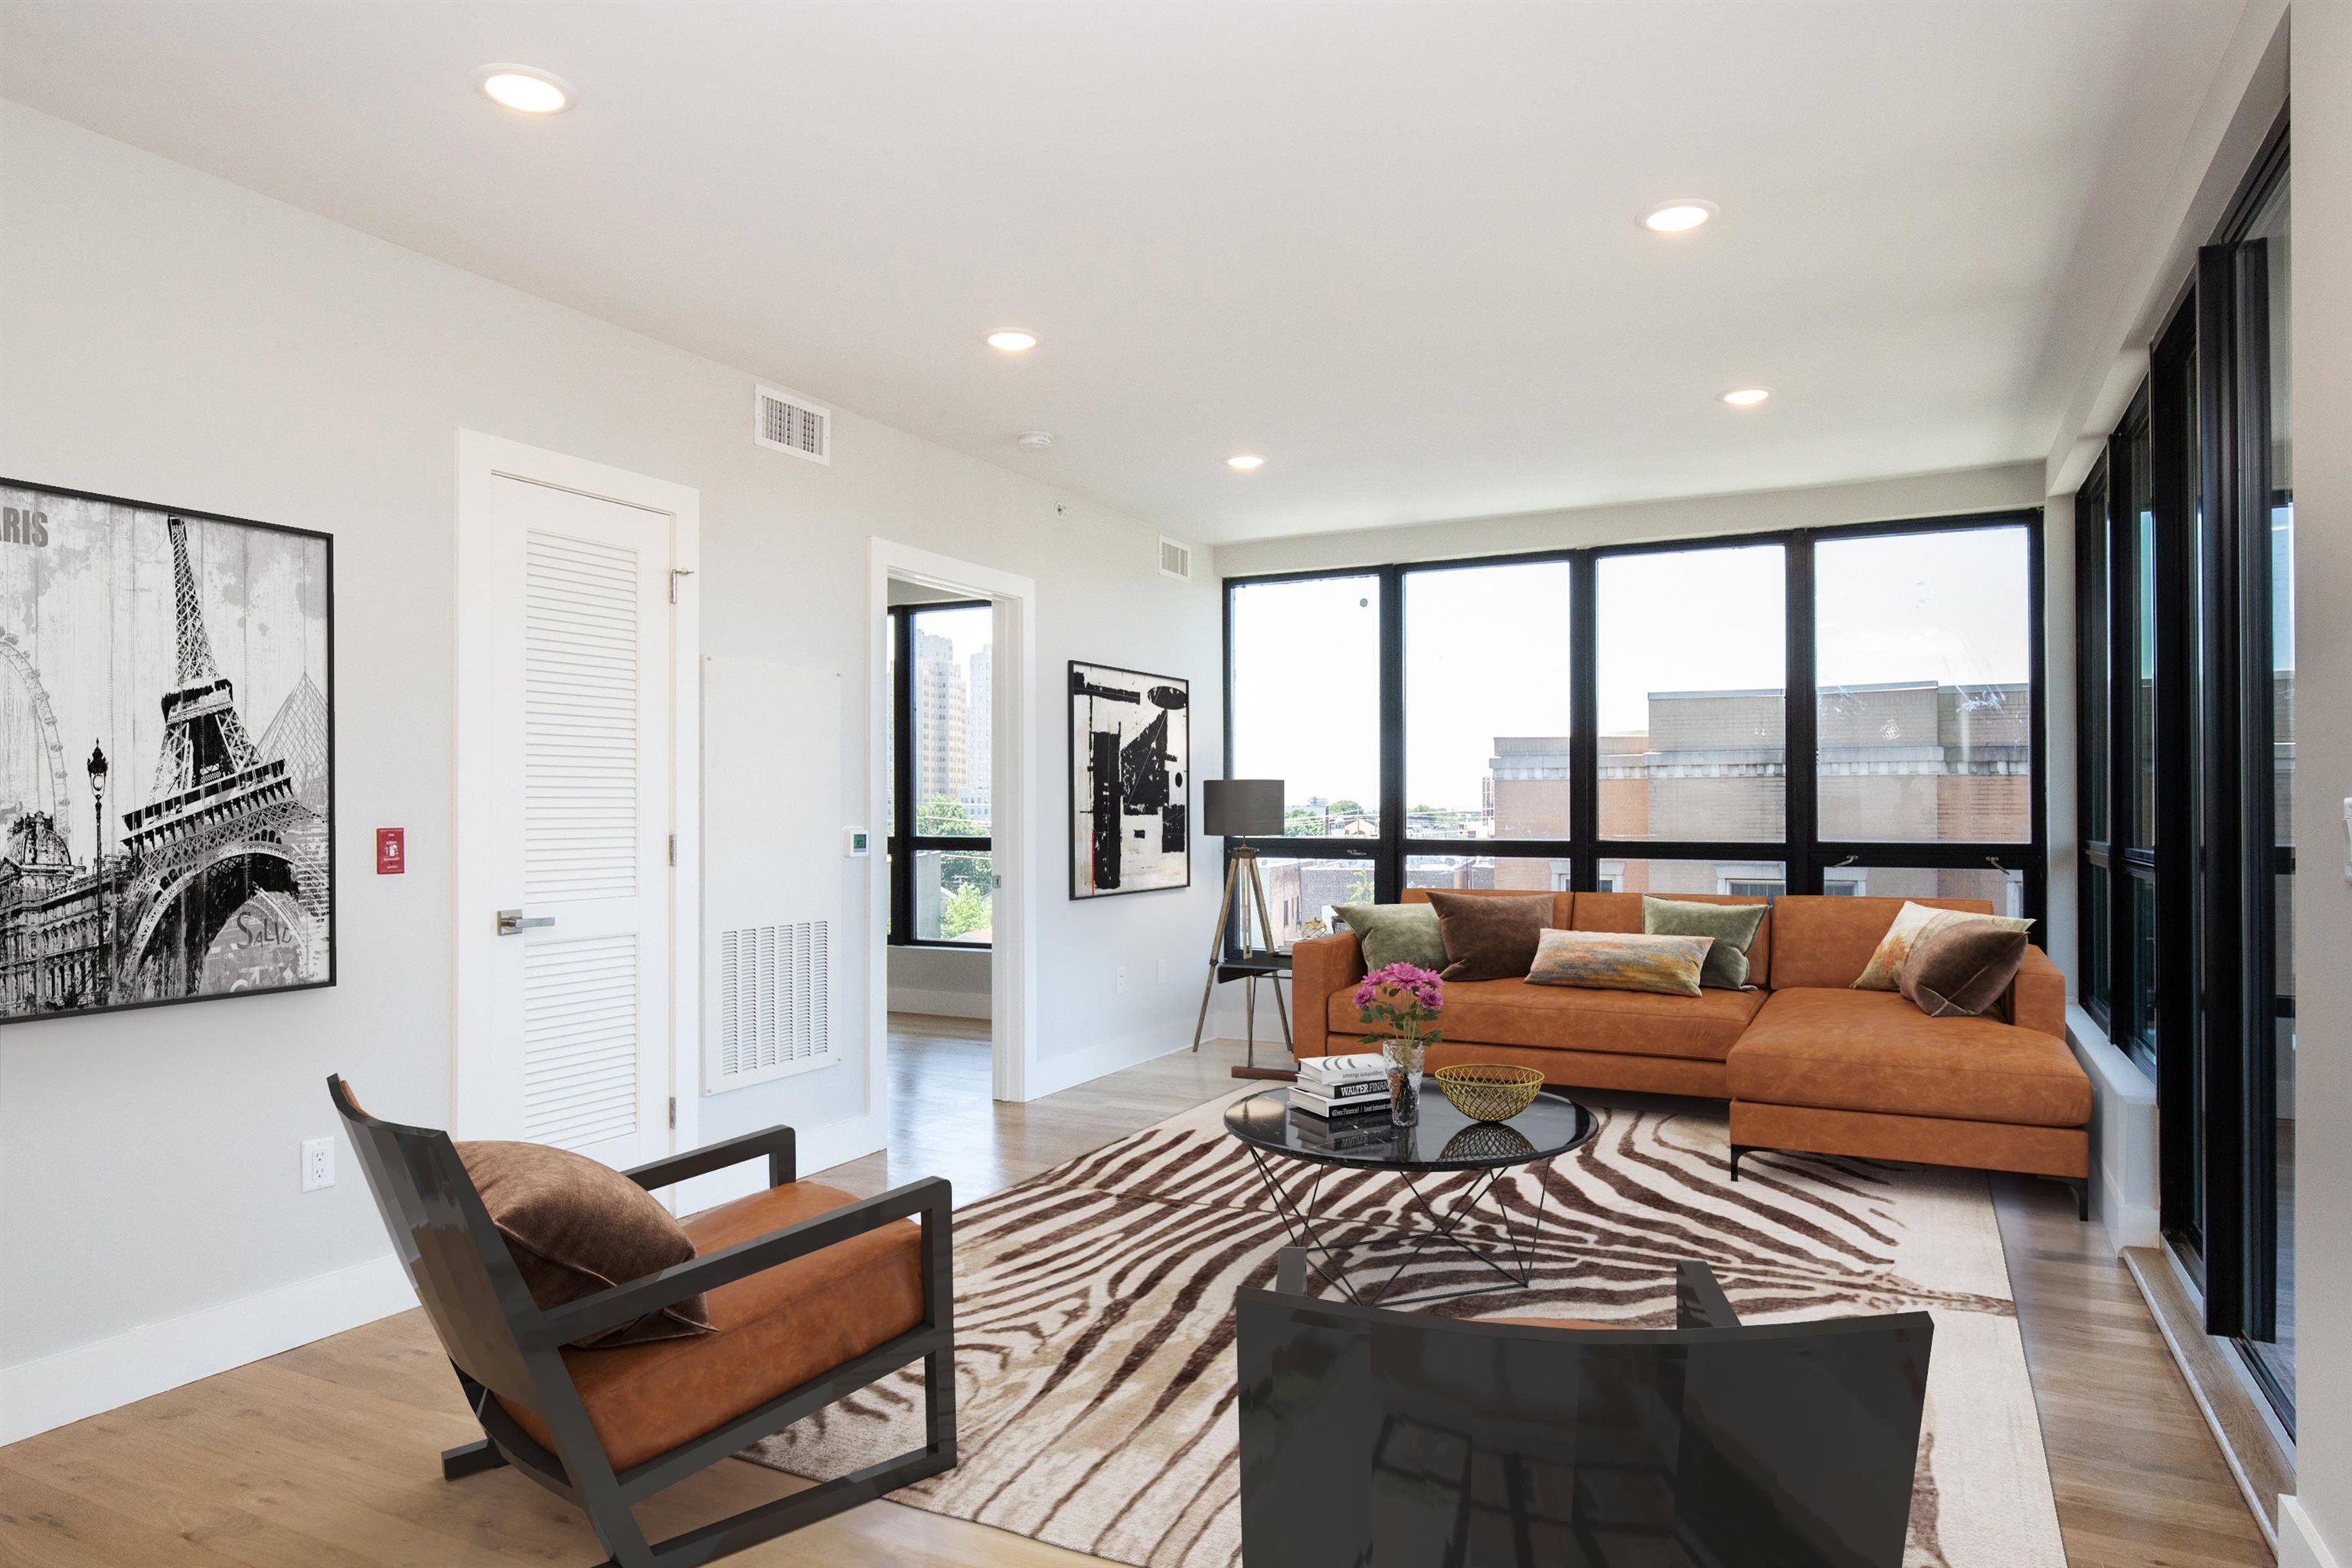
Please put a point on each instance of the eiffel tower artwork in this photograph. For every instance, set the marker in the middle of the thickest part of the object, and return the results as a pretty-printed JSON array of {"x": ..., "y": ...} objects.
[{"x": 221, "y": 880}]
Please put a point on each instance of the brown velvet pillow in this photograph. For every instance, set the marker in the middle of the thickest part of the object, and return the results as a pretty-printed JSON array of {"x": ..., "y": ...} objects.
[
  {"x": 1487, "y": 938},
  {"x": 1960, "y": 968},
  {"x": 575, "y": 1226}
]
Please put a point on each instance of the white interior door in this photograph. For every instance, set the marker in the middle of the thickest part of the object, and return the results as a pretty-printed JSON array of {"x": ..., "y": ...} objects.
[{"x": 565, "y": 808}]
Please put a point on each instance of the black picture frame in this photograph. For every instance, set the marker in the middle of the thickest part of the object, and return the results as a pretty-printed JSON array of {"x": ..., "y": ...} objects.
[
  {"x": 1081, "y": 843},
  {"x": 127, "y": 767}
]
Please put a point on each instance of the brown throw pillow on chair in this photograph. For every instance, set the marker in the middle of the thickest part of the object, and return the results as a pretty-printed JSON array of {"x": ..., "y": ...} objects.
[
  {"x": 1960, "y": 968},
  {"x": 575, "y": 1226},
  {"x": 1487, "y": 938}
]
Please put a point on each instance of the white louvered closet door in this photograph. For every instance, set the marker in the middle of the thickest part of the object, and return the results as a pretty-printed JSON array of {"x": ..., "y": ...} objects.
[{"x": 567, "y": 809}]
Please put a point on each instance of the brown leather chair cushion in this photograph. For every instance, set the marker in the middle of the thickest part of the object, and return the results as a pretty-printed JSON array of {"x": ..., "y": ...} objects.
[
  {"x": 575, "y": 1226},
  {"x": 1570, "y": 1017},
  {"x": 774, "y": 1330},
  {"x": 1556, "y": 1323},
  {"x": 1872, "y": 1050},
  {"x": 1622, "y": 911},
  {"x": 1823, "y": 940}
]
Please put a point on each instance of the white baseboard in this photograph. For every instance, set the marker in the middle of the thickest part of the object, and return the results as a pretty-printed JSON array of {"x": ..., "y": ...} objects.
[
  {"x": 37, "y": 1395},
  {"x": 1054, "y": 1074},
  {"x": 2299, "y": 1545},
  {"x": 942, "y": 1004}
]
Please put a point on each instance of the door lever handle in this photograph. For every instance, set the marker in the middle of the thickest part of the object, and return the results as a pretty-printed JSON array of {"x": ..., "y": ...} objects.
[{"x": 512, "y": 920}]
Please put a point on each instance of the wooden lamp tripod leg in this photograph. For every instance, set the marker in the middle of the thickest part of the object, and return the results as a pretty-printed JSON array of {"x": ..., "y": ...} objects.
[{"x": 1217, "y": 946}]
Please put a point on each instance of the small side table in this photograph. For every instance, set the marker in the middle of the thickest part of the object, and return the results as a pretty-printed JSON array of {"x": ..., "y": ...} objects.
[{"x": 1250, "y": 969}]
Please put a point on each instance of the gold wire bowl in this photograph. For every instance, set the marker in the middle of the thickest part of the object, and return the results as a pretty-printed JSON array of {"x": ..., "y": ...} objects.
[{"x": 1489, "y": 1091}]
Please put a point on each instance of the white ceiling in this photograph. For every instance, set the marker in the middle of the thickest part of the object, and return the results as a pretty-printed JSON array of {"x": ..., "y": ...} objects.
[{"x": 1391, "y": 247}]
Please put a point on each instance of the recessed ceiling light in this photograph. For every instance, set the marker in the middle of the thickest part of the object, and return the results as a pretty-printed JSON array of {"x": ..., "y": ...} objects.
[
  {"x": 1245, "y": 461},
  {"x": 1747, "y": 396},
  {"x": 525, "y": 88},
  {"x": 1677, "y": 216},
  {"x": 1033, "y": 440},
  {"x": 1012, "y": 340}
]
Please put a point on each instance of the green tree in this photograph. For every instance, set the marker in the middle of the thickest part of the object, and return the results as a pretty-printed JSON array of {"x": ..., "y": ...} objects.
[{"x": 964, "y": 910}]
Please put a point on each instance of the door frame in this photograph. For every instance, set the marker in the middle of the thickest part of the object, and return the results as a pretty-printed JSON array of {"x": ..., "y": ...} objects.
[
  {"x": 1012, "y": 777},
  {"x": 482, "y": 462}
]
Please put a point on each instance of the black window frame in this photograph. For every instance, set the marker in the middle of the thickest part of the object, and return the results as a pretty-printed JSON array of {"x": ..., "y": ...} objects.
[
  {"x": 2209, "y": 859},
  {"x": 1803, "y": 854},
  {"x": 902, "y": 842}
]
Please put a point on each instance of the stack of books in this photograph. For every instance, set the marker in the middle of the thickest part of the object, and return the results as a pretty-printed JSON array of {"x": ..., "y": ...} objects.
[{"x": 1341, "y": 1086}]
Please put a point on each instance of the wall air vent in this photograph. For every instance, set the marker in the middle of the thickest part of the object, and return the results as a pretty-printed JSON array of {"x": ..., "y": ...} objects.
[
  {"x": 775, "y": 985},
  {"x": 791, "y": 423},
  {"x": 1175, "y": 559}
]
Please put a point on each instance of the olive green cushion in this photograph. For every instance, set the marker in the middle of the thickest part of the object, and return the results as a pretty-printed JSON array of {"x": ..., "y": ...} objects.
[
  {"x": 1733, "y": 926},
  {"x": 1397, "y": 933}
]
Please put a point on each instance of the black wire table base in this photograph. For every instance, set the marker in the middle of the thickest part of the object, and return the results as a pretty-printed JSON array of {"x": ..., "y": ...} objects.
[{"x": 1511, "y": 1266}]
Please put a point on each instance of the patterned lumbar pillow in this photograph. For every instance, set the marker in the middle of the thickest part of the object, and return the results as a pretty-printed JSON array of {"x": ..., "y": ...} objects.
[
  {"x": 1620, "y": 961},
  {"x": 1912, "y": 921},
  {"x": 1733, "y": 927},
  {"x": 1397, "y": 933},
  {"x": 575, "y": 1226},
  {"x": 1960, "y": 968}
]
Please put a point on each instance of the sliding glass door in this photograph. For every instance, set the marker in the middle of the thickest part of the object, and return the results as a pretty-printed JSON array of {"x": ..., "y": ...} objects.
[{"x": 2185, "y": 581}]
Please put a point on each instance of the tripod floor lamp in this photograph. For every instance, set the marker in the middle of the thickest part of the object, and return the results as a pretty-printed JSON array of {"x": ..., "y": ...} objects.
[{"x": 1242, "y": 808}]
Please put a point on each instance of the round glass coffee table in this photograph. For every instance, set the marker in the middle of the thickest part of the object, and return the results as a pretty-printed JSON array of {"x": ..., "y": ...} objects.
[{"x": 1444, "y": 1141}]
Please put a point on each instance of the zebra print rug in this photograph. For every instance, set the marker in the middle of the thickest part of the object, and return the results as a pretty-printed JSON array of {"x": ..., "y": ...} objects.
[{"x": 1094, "y": 1366}]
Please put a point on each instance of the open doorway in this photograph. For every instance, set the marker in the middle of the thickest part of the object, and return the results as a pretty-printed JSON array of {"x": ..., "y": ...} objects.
[{"x": 938, "y": 841}]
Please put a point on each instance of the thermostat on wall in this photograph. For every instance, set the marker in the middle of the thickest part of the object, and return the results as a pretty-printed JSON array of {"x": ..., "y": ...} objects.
[{"x": 853, "y": 843}]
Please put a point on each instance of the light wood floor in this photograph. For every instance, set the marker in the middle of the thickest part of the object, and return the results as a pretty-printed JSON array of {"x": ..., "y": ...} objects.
[{"x": 326, "y": 1456}]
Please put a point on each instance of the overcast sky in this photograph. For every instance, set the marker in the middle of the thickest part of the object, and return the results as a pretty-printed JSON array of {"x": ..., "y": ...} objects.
[{"x": 1486, "y": 648}]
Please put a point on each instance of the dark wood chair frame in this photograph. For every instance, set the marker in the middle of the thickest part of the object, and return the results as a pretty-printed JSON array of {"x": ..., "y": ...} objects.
[{"x": 499, "y": 1341}]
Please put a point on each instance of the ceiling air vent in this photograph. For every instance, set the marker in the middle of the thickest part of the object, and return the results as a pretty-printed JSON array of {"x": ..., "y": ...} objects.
[
  {"x": 1175, "y": 559},
  {"x": 791, "y": 423}
]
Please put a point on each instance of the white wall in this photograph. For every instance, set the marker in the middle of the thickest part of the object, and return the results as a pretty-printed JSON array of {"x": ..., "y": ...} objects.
[
  {"x": 174, "y": 339},
  {"x": 2323, "y": 894},
  {"x": 948, "y": 984}
]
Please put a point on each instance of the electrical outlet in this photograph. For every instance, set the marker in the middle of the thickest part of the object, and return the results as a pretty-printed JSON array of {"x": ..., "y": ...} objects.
[
  {"x": 1122, "y": 979},
  {"x": 318, "y": 1163}
]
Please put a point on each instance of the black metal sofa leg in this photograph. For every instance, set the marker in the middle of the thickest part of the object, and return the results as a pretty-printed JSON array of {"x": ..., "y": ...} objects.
[
  {"x": 2082, "y": 1195},
  {"x": 471, "y": 1459}
]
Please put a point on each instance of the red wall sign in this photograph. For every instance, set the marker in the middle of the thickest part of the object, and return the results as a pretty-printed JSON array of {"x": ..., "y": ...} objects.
[{"x": 391, "y": 851}]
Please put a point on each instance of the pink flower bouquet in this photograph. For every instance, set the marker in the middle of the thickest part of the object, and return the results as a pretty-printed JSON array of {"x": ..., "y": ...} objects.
[{"x": 1404, "y": 999}]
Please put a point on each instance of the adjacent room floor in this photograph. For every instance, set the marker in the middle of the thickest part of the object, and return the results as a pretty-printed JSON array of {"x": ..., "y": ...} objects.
[{"x": 326, "y": 1456}]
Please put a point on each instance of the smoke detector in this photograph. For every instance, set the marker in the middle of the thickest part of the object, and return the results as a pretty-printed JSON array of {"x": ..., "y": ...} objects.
[{"x": 1032, "y": 440}]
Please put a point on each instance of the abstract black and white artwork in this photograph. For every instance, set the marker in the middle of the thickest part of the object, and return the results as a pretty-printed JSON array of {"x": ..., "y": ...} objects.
[
  {"x": 1131, "y": 781},
  {"x": 166, "y": 755}
]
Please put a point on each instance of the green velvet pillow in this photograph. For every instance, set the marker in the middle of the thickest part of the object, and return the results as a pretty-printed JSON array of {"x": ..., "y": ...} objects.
[
  {"x": 1397, "y": 933},
  {"x": 1733, "y": 926}
]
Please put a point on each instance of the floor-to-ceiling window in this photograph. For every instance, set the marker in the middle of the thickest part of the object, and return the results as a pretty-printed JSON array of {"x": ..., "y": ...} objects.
[
  {"x": 1618, "y": 718},
  {"x": 2185, "y": 562},
  {"x": 939, "y": 668}
]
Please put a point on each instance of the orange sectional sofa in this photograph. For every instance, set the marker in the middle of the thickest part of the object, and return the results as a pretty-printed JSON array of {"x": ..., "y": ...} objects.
[{"x": 1808, "y": 1063}]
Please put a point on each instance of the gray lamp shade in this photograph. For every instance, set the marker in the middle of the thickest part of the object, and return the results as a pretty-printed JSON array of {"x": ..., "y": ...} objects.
[{"x": 1241, "y": 808}]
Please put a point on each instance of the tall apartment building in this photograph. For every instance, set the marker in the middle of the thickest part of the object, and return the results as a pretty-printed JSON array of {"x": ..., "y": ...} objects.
[
  {"x": 979, "y": 761},
  {"x": 942, "y": 715}
]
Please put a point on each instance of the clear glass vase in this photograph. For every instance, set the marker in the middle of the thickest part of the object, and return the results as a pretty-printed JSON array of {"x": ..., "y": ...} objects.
[{"x": 1404, "y": 1058}]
